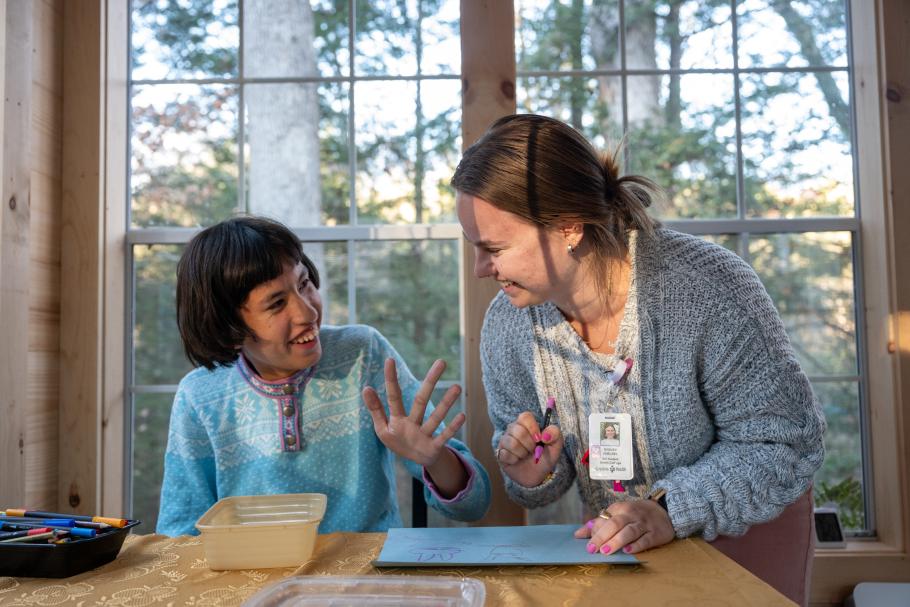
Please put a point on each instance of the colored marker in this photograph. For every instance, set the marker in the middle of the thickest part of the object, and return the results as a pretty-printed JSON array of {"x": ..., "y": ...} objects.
[
  {"x": 30, "y": 538},
  {"x": 58, "y": 522},
  {"x": 74, "y": 531},
  {"x": 619, "y": 371},
  {"x": 538, "y": 450},
  {"x": 93, "y": 525},
  {"x": 114, "y": 522},
  {"x": 23, "y": 533}
]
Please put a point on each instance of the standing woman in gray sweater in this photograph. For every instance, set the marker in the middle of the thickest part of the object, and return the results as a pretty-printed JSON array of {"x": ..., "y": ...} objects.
[{"x": 612, "y": 319}]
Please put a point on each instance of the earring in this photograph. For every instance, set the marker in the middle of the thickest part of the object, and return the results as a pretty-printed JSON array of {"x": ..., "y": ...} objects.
[{"x": 570, "y": 249}]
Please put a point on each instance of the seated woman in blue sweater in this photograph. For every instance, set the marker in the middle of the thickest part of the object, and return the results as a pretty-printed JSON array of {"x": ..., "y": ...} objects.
[{"x": 276, "y": 403}]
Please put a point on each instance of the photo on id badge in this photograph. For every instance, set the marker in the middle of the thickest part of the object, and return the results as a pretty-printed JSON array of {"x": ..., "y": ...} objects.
[{"x": 610, "y": 444}]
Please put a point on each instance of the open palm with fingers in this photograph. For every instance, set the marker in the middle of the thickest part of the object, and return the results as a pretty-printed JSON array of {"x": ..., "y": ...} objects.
[{"x": 409, "y": 434}]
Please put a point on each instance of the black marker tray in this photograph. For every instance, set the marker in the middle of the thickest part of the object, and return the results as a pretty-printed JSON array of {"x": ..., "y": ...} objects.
[{"x": 62, "y": 560}]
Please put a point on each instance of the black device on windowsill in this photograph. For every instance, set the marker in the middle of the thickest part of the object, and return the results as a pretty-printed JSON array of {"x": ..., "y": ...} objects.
[{"x": 828, "y": 531}]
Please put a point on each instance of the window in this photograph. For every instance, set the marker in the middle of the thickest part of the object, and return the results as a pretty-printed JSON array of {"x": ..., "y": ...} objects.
[
  {"x": 339, "y": 118},
  {"x": 742, "y": 111}
]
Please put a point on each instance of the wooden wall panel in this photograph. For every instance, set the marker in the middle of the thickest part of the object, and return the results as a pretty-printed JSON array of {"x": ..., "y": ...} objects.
[
  {"x": 896, "y": 46},
  {"x": 41, "y": 426},
  {"x": 488, "y": 92},
  {"x": 16, "y": 60},
  {"x": 82, "y": 265},
  {"x": 882, "y": 98}
]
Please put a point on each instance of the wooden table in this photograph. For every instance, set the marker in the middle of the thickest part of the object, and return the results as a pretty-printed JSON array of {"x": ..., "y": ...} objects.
[{"x": 159, "y": 570}]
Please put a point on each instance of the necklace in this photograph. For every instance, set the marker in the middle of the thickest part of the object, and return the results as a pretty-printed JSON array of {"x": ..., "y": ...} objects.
[{"x": 610, "y": 343}]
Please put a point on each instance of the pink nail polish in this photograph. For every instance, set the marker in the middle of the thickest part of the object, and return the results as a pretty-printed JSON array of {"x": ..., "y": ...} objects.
[
  {"x": 605, "y": 549},
  {"x": 546, "y": 436},
  {"x": 537, "y": 437},
  {"x": 590, "y": 524},
  {"x": 627, "y": 549},
  {"x": 591, "y": 548}
]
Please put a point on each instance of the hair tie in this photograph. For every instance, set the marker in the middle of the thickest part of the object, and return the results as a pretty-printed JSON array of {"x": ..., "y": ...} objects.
[{"x": 611, "y": 187}]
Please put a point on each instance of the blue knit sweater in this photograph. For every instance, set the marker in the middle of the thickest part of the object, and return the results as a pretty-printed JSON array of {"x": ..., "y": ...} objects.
[
  {"x": 233, "y": 433},
  {"x": 723, "y": 418}
]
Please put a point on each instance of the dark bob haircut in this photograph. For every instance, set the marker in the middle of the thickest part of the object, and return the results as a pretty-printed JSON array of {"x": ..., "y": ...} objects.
[{"x": 215, "y": 274}]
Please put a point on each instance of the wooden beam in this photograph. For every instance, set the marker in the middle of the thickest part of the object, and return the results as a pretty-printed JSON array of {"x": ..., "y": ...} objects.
[
  {"x": 42, "y": 440},
  {"x": 16, "y": 79},
  {"x": 896, "y": 41},
  {"x": 116, "y": 116},
  {"x": 881, "y": 33},
  {"x": 488, "y": 92},
  {"x": 79, "y": 488}
]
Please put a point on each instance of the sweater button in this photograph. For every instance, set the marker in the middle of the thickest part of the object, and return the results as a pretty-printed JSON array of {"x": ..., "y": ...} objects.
[
  {"x": 288, "y": 389},
  {"x": 290, "y": 440},
  {"x": 288, "y": 410}
]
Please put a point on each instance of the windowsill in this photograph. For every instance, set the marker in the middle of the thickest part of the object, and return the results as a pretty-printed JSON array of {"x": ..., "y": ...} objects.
[{"x": 871, "y": 547}]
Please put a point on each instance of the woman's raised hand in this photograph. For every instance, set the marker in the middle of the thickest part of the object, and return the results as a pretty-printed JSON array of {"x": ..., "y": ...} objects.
[
  {"x": 409, "y": 435},
  {"x": 515, "y": 452}
]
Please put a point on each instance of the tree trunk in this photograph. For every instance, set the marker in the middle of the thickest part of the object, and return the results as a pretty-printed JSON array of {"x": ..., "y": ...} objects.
[
  {"x": 283, "y": 119},
  {"x": 643, "y": 92}
]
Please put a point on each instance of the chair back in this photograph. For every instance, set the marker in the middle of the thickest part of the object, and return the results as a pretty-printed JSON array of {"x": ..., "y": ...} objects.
[{"x": 779, "y": 552}]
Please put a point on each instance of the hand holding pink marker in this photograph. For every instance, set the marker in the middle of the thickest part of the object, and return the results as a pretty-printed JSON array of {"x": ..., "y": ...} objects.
[{"x": 538, "y": 450}]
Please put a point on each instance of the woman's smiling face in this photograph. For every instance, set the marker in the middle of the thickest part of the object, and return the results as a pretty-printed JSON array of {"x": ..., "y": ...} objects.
[
  {"x": 530, "y": 263},
  {"x": 284, "y": 315}
]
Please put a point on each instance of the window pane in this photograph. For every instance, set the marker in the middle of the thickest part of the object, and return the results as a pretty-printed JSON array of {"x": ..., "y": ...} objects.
[
  {"x": 157, "y": 348},
  {"x": 184, "y": 154},
  {"x": 796, "y": 145},
  {"x": 840, "y": 480},
  {"x": 385, "y": 38},
  {"x": 151, "y": 417},
  {"x": 331, "y": 260},
  {"x": 810, "y": 278},
  {"x": 438, "y": 151},
  {"x": 592, "y": 105},
  {"x": 552, "y": 35},
  {"x": 674, "y": 35},
  {"x": 808, "y": 33},
  {"x": 406, "y": 152},
  {"x": 407, "y": 291},
  {"x": 297, "y": 140},
  {"x": 682, "y": 134},
  {"x": 440, "y": 37},
  {"x": 172, "y": 39},
  {"x": 397, "y": 38},
  {"x": 295, "y": 39},
  {"x": 727, "y": 241}
]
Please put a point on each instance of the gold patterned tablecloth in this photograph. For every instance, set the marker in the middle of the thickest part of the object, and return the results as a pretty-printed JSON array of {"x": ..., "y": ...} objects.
[{"x": 159, "y": 570}]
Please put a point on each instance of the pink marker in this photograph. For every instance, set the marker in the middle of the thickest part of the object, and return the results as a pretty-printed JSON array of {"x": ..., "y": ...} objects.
[
  {"x": 619, "y": 371},
  {"x": 538, "y": 450}
]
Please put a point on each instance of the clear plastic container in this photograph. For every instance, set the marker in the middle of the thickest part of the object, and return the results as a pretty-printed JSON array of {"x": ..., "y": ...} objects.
[
  {"x": 261, "y": 531},
  {"x": 372, "y": 590}
]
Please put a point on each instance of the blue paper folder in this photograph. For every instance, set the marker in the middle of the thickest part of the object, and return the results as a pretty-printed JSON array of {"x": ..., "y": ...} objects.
[{"x": 478, "y": 546}]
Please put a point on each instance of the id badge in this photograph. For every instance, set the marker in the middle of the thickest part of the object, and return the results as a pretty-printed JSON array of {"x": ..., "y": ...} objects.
[{"x": 610, "y": 446}]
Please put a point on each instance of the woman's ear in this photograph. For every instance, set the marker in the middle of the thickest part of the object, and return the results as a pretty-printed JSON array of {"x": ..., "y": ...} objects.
[{"x": 573, "y": 233}]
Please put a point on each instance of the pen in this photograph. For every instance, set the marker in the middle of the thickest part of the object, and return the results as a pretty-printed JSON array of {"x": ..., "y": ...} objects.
[
  {"x": 52, "y": 524},
  {"x": 538, "y": 450},
  {"x": 114, "y": 522}
]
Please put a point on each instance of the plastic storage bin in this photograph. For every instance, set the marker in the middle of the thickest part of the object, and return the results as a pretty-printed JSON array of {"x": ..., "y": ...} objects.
[
  {"x": 372, "y": 591},
  {"x": 261, "y": 531},
  {"x": 62, "y": 560}
]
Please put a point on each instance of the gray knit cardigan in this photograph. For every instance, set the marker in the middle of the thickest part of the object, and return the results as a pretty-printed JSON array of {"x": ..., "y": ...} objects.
[{"x": 723, "y": 417}]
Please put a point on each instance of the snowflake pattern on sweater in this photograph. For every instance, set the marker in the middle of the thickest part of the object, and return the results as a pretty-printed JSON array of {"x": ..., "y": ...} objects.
[{"x": 228, "y": 437}]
